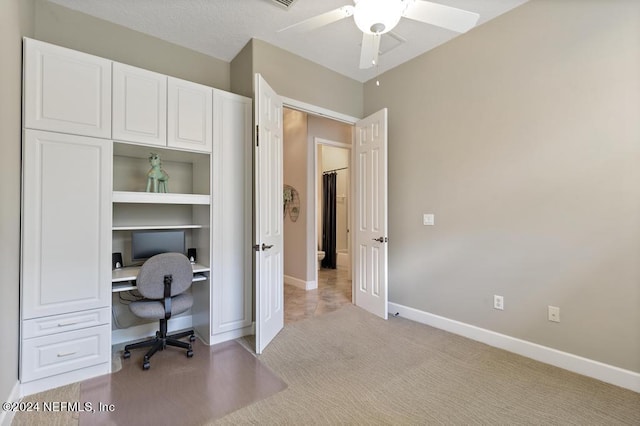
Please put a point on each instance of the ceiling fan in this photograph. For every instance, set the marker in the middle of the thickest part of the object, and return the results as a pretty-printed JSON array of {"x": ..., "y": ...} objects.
[{"x": 376, "y": 17}]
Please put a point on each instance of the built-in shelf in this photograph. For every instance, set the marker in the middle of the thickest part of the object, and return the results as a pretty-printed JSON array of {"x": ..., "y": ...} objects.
[
  {"x": 160, "y": 198},
  {"x": 140, "y": 228}
]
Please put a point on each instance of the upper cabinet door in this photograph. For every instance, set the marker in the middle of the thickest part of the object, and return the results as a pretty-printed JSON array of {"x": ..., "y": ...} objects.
[
  {"x": 66, "y": 91},
  {"x": 190, "y": 115},
  {"x": 139, "y": 105}
]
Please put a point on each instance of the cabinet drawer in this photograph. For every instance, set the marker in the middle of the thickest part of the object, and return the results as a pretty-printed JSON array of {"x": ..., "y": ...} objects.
[
  {"x": 63, "y": 352},
  {"x": 67, "y": 322}
]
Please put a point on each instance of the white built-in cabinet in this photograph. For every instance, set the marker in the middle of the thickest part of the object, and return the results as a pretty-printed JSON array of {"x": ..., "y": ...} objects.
[
  {"x": 152, "y": 109},
  {"x": 231, "y": 310},
  {"x": 190, "y": 118},
  {"x": 139, "y": 105},
  {"x": 66, "y": 245},
  {"x": 89, "y": 126},
  {"x": 67, "y": 203},
  {"x": 67, "y": 91}
]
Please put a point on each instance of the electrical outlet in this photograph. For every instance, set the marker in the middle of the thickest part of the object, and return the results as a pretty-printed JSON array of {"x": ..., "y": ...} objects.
[
  {"x": 498, "y": 302},
  {"x": 554, "y": 313}
]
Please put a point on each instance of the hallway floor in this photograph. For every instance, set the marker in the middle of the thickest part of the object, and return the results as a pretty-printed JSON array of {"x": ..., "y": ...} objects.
[{"x": 334, "y": 291}]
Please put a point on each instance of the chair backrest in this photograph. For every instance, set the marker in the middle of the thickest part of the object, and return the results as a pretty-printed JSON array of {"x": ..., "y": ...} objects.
[{"x": 150, "y": 280}]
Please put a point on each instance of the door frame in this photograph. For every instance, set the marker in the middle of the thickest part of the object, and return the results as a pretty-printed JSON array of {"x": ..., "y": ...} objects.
[
  {"x": 312, "y": 250},
  {"x": 317, "y": 142}
]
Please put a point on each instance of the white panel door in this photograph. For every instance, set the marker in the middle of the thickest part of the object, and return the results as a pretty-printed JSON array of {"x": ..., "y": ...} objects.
[
  {"x": 66, "y": 223},
  {"x": 268, "y": 214},
  {"x": 231, "y": 293},
  {"x": 190, "y": 118},
  {"x": 66, "y": 91},
  {"x": 370, "y": 252},
  {"x": 139, "y": 105}
]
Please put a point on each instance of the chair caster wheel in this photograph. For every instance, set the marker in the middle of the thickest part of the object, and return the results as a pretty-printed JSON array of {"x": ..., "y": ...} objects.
[
  {"x": 189, "y": 353},
  {"x": 146, "y": 365},
  {"x": 126, "y": 355},
  {"x": 192, "y": 338}
]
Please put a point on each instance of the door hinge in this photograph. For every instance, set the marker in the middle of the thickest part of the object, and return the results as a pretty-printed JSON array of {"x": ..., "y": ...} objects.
[{"x": 257, "y": 135}]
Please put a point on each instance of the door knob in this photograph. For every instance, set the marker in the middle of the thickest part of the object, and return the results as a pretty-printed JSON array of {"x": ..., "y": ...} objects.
[
  {"x": 381, "y": 239},
  {"x": 264, "y": 247}
]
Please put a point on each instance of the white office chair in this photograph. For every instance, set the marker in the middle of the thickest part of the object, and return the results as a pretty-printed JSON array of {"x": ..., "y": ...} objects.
[{"x": 163, "y": 281}]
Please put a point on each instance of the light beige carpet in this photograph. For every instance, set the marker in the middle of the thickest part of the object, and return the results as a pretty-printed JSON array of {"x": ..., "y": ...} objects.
[{"x": 350, "y": 367}]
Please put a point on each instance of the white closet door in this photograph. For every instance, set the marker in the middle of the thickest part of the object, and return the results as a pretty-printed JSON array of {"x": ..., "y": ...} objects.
[
  {"x": 66, "y": 91},
  {"x": 66, "y": 224},
  {"x": 139, "y": 105},
  {"x": 190, "y": 120}
]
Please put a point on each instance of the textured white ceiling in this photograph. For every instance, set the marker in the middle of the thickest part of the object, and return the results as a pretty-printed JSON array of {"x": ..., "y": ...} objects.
[{"x": 221, "y": 28}]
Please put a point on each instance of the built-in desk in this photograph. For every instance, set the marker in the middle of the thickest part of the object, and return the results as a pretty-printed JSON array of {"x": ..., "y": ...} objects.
[{"x": 123, "y": 279}]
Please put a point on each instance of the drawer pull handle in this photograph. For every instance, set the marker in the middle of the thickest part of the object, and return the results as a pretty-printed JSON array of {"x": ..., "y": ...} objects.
[
  {"x": 67, "y": 324},
  {"x": 62, "y": 355}
]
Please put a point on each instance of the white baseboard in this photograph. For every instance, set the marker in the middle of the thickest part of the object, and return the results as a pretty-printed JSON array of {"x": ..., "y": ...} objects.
[
  {"x": 232, "y": 335},
  {"x": 577, "y": 364},
  {"x": 6, "y": 417},
  {"x": 305, "y": 285}
]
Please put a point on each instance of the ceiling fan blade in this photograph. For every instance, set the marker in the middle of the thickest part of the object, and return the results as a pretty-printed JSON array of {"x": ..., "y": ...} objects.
[
  {"x": 320, "y": 20},
  {"x": 370, "y": 50},
  {"x": 440, "y": 15}
]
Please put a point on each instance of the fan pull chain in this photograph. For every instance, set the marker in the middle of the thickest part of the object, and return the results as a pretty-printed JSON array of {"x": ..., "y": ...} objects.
[{"x": 377, "y": 61}]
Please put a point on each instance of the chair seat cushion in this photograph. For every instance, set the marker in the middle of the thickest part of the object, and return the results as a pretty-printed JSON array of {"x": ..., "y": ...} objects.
[{"x": 154, "y": 309}]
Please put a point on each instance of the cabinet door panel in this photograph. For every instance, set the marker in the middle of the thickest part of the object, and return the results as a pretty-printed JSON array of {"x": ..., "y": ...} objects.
[
  {"x": 66, "y": 237},
  {"x": 139, "y": 105},
  {"x": 190, "y": 115},
  {"x": 66, "y": 91},
  {"x": 231, "y": 294}
]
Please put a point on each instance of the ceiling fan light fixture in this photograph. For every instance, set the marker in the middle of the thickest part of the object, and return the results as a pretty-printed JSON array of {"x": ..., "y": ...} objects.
[{"x": 378, "y": 16}]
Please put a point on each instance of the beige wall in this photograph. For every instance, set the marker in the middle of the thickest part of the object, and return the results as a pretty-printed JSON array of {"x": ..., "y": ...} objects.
[
  {"x": 65, "y": 27},
  {"x": 242, "y": 72},
  {"x": 295, "y": 175},
  {"x": 522, "y": 137},
  {"x": 16, "y": 21},
  {"x": 297, "y": 78}
]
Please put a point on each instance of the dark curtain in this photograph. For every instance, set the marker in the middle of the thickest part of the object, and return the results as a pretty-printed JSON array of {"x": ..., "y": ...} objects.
[{"x": 329, "y": 220}]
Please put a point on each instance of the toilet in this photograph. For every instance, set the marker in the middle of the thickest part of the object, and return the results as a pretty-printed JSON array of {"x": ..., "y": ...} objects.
[{"x": 320, "y": 257}]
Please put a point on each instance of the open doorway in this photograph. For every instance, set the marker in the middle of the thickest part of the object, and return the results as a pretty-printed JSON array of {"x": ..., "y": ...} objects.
[
  {"x": 333, "y": 204},
  {"x": 311, "y": 146}
]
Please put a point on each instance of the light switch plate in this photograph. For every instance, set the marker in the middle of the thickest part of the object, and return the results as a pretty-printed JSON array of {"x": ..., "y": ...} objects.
[
  {"x": 554, "y": 313},
  {"x": 428, "y": 219}
]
